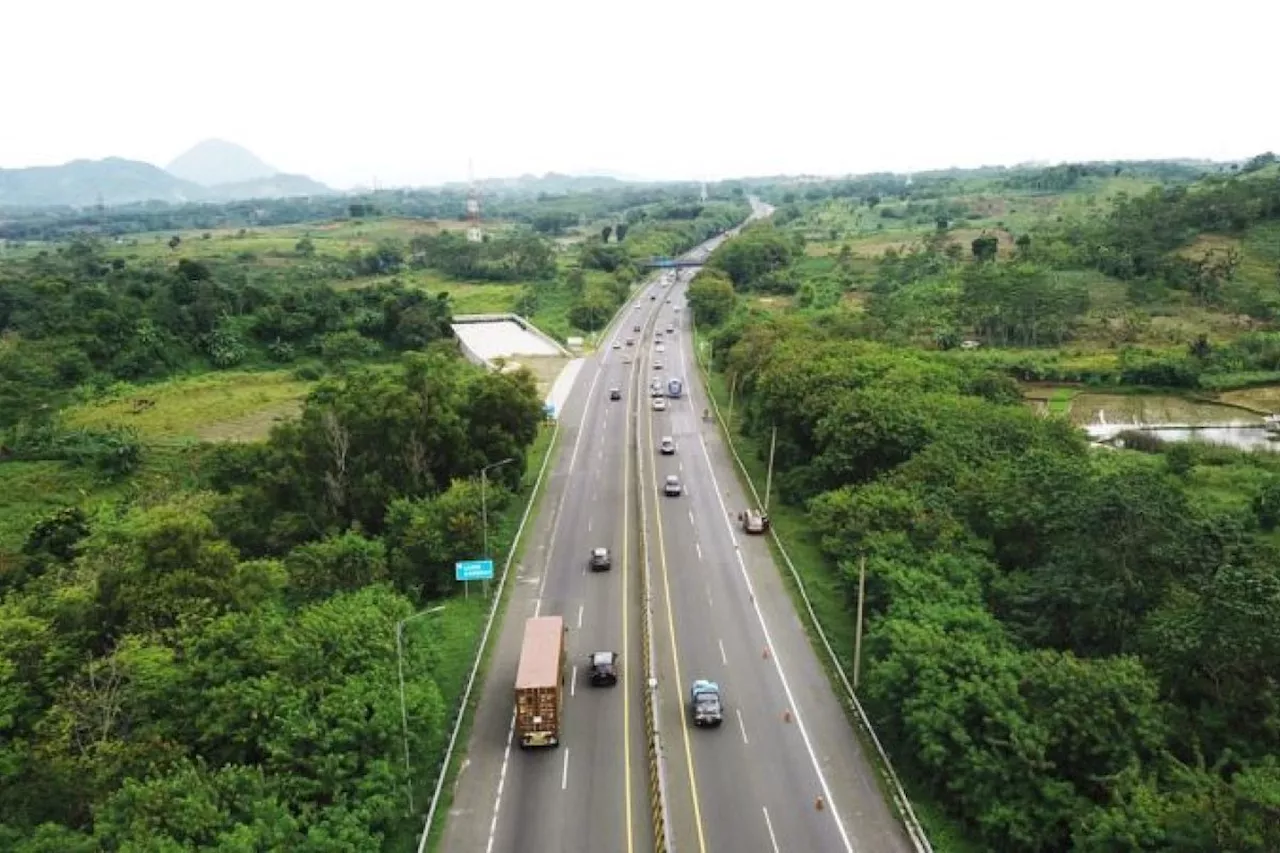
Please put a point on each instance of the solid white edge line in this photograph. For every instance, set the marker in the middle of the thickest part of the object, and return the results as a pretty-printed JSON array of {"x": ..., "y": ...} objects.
[
  {"x": 777, "y": 661},
  {"x": 769, "y": 824}
]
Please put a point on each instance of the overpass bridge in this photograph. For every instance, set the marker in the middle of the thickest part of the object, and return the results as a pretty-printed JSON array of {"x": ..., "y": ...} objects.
[{"x": 669, "y": 263}]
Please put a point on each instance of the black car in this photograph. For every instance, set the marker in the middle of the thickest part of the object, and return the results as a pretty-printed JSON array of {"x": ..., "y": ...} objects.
[
  {"x": 604, "y": 669},
  {"x": 615, "y": 394},
  {"x": 600, "y": 560}
]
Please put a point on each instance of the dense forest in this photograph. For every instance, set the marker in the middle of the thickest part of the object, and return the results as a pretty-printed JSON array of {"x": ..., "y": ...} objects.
[
  {"x": 1066, "y": 648},
  {"x": 158, "y": 663}
]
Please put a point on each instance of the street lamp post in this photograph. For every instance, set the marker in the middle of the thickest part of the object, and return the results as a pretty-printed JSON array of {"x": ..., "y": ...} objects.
[
  {"x": 404, "y": 710},
  {"x": 484, "y": 507}
]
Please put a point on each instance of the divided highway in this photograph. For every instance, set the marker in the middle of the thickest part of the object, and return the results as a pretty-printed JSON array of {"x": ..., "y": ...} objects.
[
  {"x": 590, "y": 794},
  {"x": 723, "y": 614}
]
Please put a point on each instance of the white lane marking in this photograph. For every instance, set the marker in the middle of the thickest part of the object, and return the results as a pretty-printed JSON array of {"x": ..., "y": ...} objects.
[
  {"x": 573, "y": 460},
  {"x": 573, "y": 681},
  {"x": 768, "y": 639},
  {"x": 681, "y": 467},
  {"x": 588, "y": 525},
  {"x": 580, "y": 606},
  {"x": 537, "y": 606},
  {"x": 743, "y": 728},
  {"x": 699, "y": 547},
  {"x": 768, "y": 823},
  {"x": 564, "y": 775},
  {"x": 691, "y": 521},
  {"x": 724, "y": 659},
  {"x": 502, "y": 781},
  {"x": 601, "y": 454}
]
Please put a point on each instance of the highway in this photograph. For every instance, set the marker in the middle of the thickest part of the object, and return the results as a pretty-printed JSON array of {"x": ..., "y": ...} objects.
[
  {"x": 722, "y": 613},
  {"x": 591, "y": 793}
]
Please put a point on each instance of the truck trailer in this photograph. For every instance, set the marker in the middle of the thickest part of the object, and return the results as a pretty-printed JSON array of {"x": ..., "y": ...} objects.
[{"x": 540, "y": 682}]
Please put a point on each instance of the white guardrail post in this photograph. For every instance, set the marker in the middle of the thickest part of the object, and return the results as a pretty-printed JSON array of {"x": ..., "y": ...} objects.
[{"x": 899, "y": 794}]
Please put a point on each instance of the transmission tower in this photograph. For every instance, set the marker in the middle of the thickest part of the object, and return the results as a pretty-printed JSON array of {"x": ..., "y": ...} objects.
[{"x": 474, "y": 234}]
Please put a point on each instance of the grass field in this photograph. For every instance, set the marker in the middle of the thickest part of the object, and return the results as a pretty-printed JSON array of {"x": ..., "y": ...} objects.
[{"x": 237, "y": 406}]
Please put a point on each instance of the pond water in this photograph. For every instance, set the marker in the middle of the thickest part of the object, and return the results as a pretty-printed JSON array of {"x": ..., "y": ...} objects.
[{"x": 1170, "y": 418}]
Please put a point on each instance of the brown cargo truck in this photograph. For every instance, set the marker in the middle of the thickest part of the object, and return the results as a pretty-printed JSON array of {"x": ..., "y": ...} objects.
[{"x": 539, "y": 682}]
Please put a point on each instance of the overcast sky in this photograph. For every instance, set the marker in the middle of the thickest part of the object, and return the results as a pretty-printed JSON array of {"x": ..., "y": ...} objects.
[{"x": 407, "y": 92}]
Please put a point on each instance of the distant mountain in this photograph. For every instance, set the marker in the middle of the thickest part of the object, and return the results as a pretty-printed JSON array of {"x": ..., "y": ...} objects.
[
  {"x": 216, "y": 161},
  {"x": 82, "y": 183},
  {"x": 275, "y": 186},
  {"x": 551, "y": 182}
]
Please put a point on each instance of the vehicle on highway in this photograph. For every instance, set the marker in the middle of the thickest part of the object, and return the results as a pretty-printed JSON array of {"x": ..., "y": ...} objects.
[
  {"x": 754, "y": 521},
  {"x": 661, "y": 348},
  {"x": 603, "y": 670},
  {"x": 538, "y": 679},
  {"x": 659, "y": 404},
  {"x": 636, "y": 327},
  {"x": 671, "y": 330},
  {"x": 667, "y": 446},
  {"x": 653, "y": 296},
  {"x": 601, "y": 560},
  {"x": 674, "y": 388},
  {"x": 655, "y": 388},
  {"x": 672, "y": 487},
  {"x": 676, "y": 309},
  {"x": 615, "y": 393},
  {"x": 657, "y": 335},
  {"x": 705, "y": 704},
  {"x": 657, "y": 365},
  {"x": 631, "y": 342}
]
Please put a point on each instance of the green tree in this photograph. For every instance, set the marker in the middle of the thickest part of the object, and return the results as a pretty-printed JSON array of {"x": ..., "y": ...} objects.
[{"x": 711, "y": 297}]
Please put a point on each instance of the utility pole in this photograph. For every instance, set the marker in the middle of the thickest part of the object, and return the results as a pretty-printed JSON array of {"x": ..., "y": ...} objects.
[
  {"x": 484, "y": 505},
  {"x": 404, "y": 711},
  {"x": 768, "y": 482},
  {"x": 857, "y": 636},
  {"x": 733, "y": 386}
]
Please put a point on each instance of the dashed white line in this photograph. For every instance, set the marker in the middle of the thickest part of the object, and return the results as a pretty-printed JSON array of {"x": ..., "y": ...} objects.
[
  {"x": 564, "y": 775},
  {"x": 724, "y": 659},
  {"x": 588, "y": 525},
  {"x": 502, "y": 781},
  {"x": 573, "y": 681},
  {"x": 691, "y": 521},
  {"x": 768, "y": 823},
  {"x": 699, "y": 547},
  {"x": 580, "y": 606},
  {"x": 743, "y": 728}
]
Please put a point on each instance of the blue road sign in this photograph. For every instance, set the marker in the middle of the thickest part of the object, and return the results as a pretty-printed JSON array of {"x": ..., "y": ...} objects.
[{"x": 474, "y": 570}]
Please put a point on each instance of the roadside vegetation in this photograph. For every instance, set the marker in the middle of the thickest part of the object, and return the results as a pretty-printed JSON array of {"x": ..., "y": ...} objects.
[
  {"x": 205, "y": 542},
  {"x": 1066, "y": 648}
]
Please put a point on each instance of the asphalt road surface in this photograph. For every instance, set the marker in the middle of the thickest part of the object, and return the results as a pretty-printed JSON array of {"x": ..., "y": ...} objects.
[
  {"x": 722, "y": 613},
  {"x": 591, "y": 793}
]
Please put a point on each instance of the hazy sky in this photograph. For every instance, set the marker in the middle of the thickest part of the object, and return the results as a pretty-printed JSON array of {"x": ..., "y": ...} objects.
[{"x": 407, "y": 92}]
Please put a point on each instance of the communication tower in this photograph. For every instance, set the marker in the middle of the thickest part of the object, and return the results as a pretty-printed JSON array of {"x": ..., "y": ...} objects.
[
  {"x": 474, "y": 234},
  {"x": 703, "y": 195}
]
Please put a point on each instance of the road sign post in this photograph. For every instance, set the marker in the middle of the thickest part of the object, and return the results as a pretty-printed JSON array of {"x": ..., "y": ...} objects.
[{"x": 472, "y": 570}]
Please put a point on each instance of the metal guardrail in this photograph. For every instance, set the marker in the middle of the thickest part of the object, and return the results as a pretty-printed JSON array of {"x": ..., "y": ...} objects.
[
  {"x": 900, "y": 799},
  {"x": 662, "y": 841}
]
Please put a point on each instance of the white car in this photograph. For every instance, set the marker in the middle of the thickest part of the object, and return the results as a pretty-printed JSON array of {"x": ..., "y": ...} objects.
[
  {"x": 668, "y": 446},
  {"x": 672, "y": 488},
  {"x": 659, "y": 404},
  {"x": 662, "y": 348}
]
